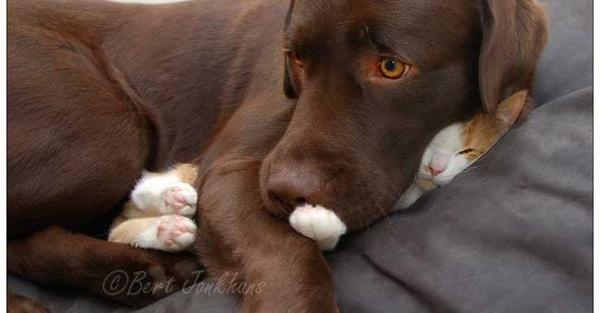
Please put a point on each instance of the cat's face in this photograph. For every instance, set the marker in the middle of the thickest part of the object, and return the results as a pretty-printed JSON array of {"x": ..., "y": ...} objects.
[
  {"x": 444, "y": 158},
  {"x": 459, "y": 145}
]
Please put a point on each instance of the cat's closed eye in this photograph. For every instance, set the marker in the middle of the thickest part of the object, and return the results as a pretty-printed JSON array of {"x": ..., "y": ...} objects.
[{"x": 465, "y": 151}]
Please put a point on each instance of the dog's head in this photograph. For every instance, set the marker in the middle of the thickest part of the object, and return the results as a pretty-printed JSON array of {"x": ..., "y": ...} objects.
[{"x": 374, "y": 81}]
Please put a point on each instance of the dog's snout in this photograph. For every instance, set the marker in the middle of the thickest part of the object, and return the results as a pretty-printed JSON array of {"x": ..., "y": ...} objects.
[{"x": 293, "y": 185}]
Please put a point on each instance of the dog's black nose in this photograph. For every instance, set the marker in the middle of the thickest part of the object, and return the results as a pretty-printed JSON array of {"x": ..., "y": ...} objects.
[{"x": 294, "y": 185}]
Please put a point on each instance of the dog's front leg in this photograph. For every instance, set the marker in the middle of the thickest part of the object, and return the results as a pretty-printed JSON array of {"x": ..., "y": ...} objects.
[{"x": 277, "y": 270}]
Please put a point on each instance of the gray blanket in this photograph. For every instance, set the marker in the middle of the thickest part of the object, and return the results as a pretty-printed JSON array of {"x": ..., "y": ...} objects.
[{"x": 513, "y": 234}]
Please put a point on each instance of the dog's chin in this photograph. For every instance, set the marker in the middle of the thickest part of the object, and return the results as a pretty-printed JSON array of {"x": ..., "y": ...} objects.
[{"x": 276, "y": 208}]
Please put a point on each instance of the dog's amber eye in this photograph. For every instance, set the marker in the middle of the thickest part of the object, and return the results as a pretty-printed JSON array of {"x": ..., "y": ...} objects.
[{"x": 392, "y": 68}]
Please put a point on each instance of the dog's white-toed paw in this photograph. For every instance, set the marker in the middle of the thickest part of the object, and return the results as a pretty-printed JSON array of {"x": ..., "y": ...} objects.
[
  {"x": 319, "y": 224},
  {"x": 164, "y": 194},
  {"x": 174, "y": 233}
]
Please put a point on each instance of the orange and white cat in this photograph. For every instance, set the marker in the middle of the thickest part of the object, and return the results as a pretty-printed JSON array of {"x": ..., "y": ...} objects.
[
  {"x": 158, "y": 214},
  {"x": 459, "y": 145}
]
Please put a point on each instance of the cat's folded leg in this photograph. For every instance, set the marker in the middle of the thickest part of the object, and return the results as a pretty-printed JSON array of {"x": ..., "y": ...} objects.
[
  {"x": 171, "y": 233},
  {"x": 164, "y": 194},
  {"x": 319, "y": 224}
]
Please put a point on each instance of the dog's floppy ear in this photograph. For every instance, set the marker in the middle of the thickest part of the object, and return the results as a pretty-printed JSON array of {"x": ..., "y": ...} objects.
[{"x": 514, "y": 35}]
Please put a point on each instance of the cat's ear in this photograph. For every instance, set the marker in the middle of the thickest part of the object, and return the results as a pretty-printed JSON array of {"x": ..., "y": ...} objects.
[
  {"x": 509, "y": 110},
  {"x": 514, "y": 34}
]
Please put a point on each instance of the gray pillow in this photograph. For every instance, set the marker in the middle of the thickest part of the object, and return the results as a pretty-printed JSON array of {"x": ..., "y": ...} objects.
[
  {"x": 514, "y": 234},
  {"x": 566, "y": 64}
]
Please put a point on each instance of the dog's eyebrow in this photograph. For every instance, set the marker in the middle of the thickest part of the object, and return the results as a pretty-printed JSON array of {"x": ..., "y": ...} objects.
[
  {"x": 376, "y": 40},
  {"x": 383, "y": 42},
  {"x": 366, "y": 34}
]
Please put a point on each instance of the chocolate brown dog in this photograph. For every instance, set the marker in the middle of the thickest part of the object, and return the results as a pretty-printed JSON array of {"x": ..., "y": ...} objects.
[{"x": 313, "y": 101}]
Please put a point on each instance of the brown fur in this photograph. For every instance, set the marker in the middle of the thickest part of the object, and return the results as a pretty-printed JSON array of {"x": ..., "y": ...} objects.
[
  {"x": 21, "y": 304},
  {"x": 99, "y": 91}
]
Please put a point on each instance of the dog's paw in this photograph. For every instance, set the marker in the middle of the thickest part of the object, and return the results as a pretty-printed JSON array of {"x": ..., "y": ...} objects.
[
  {"x": 319, "y": 224},
  {"x": 174, "y": 233},
  {"x": 164, "y": 194}
]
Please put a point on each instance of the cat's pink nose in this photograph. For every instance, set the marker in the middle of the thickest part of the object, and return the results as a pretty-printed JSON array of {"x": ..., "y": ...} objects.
[
  {"x": 435, "y": 171},
  {"x": 438, "y": 164}
]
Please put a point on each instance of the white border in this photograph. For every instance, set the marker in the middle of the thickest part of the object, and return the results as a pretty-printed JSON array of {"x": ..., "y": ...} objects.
[{"x": 596, "y": 161}]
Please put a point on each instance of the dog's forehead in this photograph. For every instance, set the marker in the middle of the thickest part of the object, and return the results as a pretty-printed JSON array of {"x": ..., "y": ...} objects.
[
  {"x": 394, "y": 10},
  {"x": 408, "y": 25}
]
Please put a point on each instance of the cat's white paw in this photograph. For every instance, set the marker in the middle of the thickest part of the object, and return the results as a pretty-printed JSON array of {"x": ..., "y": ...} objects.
[
  {"x": 175, "y": 233},
  {"x": 164, "y": 194},
  {"x": 180, "y": 199},
  {"x": 319, "y": 224}
]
